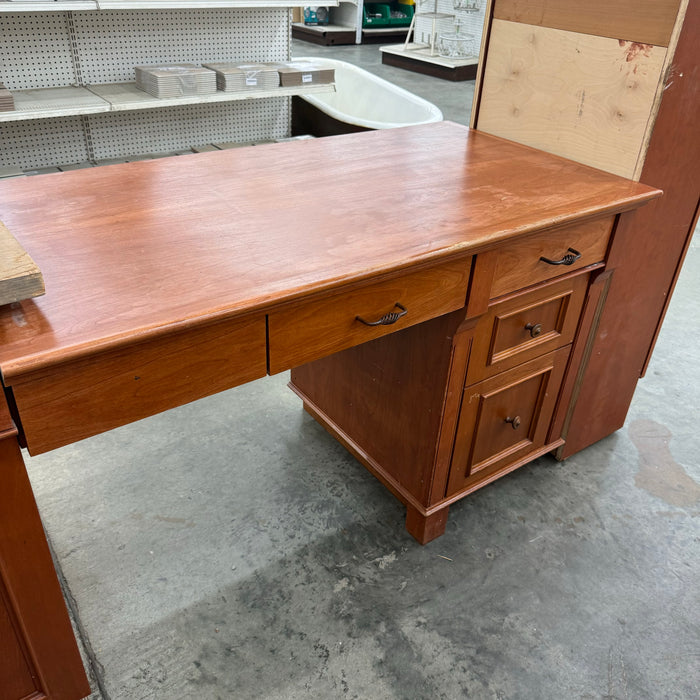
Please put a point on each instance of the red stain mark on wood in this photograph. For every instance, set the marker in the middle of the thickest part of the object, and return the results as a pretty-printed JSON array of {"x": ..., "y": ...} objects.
[{"x": 635, "y": 50}]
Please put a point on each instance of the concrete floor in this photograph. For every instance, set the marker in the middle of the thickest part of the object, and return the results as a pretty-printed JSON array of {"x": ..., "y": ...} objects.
[{"x": 231, "y": 549}]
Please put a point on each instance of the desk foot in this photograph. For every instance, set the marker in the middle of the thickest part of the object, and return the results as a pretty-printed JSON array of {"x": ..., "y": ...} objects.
[{"x": 425, "y": 528}]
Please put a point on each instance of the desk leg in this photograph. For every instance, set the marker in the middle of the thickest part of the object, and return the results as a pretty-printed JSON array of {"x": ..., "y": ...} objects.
[
  {"x": 39, "y": 657},
  {"x": 426, "y": 527}
]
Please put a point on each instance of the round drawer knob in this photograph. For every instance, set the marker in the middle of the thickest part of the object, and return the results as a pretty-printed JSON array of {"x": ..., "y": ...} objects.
[
  {"x": 534, "y": 328},
  {"x": 515, "y": 422}
]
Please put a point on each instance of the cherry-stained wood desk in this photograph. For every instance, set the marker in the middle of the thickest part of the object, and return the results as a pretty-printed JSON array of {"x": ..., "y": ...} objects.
[{"x": 173, "y": 279}]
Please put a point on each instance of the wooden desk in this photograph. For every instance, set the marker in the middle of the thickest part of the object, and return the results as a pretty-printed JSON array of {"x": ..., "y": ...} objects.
[{"x": 173, "y": 279}]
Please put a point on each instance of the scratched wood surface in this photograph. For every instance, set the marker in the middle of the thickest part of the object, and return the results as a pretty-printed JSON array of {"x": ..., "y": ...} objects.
[
  {"x": 146, "y": 249},
  {"x": 20, "y": 278},
  {"x": 584, "y": 97}
]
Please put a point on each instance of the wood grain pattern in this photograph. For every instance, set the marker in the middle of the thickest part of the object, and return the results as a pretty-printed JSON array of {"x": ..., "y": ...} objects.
[
  {"x": 20, "y": 278},
  {"x": 518, "y": 265},
  {"x": 641, "y": 21},
  {"x": 39, "y": 658},
  {"x": 129, "y": 252},
  {"x": 87, "y": 396},
  {"x": 584, "y": 97},
  {"x": 316, "y": 328}
]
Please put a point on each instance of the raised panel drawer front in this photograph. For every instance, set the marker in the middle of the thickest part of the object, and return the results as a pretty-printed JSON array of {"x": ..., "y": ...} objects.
[
  {"x": 521, "y": 327},
  {"x": 84, "y": 397},
  {"x": 504, "y": 419},
  {"x": 550, "y": 254},
  {"x": 313, "y": 328}
]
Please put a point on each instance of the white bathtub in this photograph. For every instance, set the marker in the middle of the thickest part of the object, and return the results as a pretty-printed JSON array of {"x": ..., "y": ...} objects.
[{"x": 364, "y": 101}]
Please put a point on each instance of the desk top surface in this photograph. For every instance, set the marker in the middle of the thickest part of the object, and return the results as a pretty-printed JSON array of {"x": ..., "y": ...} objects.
[{"x": 146, "y": 248}]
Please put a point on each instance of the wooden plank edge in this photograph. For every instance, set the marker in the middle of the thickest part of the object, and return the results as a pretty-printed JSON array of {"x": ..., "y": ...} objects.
[
  {"x": 20, "y": 276},
  {"x": 481, "y": 66},
  {"x": 666, "y": 75},
  {"x": 644, "y": 27}
]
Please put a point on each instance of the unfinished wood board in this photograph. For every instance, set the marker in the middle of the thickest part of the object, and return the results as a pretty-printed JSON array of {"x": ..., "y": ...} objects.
[
  {"x": 583, "y": 97},
  {"x": 641, "y": 21},
  {"x": 20, "y": 278}
]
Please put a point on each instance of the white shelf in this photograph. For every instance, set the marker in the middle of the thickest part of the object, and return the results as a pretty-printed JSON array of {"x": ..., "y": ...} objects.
[
  {"x": 421, "y": 52},
  {"x": 321, "y": 28},
  {"x": 126, "y": 96},
  {"x": 385, "y": 30},
  {"x": 121, "y": 97},
  {"x": 47, "y": 6},
  {"x": 53, "y": 102},
  {"x": 64, "y": 6},
  {"x": 434, "y": 15},
  {"x": 190, "y": 4}
]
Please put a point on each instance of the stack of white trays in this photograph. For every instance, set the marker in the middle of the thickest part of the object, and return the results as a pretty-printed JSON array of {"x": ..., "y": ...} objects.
[
  {"x": 233, "y": 77},
  {"x": 177, "y": 80}
]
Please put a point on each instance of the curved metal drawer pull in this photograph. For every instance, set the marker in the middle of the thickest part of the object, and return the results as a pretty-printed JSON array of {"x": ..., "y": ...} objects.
[
  {"x": 386, "y": 319},
  {"x": 569, "y": 259}
]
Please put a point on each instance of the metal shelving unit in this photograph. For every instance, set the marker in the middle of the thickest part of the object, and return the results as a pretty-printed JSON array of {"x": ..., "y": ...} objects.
[
  {"x": 345, "y": 27},
  {"x": 48, "y": 103},
  {"x": 70, "y": 65},
  {"x": 421, "y": 54},
  {"x": 87, "y": 5}
]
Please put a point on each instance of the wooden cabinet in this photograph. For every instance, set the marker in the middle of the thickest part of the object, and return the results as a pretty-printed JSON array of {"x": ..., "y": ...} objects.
[
  {"x": 570, "y": 78},
  {"x": 441, "y": 409}
]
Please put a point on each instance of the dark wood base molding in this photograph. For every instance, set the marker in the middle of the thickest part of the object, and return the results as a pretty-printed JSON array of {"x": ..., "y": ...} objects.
[{"x": 455, "y": 75}]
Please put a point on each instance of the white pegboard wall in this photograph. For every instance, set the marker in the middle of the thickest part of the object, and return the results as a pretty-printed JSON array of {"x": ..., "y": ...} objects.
[
  {"x": 53, "y": 49},
  {"x": 469, "y": 22},
  {"x": 124, "y": 134},
  {"x": 35, "y": 50},
  {"x": 111, "y": 43},
  {"x": 42, "y": 143}
]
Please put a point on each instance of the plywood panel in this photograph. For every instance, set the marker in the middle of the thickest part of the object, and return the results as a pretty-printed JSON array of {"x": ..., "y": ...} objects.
[
  {"x": 647, "y": 254},
  {"x": 20, "y": 278},
  {"x": 583, "y": 97},
  {"x": 642, "y": 21}
]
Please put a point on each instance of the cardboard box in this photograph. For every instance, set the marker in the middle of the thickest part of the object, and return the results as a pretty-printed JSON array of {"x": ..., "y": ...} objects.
[{"x": 297, "y": 73}]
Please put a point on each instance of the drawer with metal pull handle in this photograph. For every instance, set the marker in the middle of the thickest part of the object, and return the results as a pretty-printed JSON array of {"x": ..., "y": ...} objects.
[
  {"x": 549, "y": 254},
  {"x": 522, "y": 326},
  {"x": 312, "y": 328},
  {"x": 504, "y": 421}
]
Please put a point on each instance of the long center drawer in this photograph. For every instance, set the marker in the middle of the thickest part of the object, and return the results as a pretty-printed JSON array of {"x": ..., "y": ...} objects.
[{"x": 303, "y": 331}]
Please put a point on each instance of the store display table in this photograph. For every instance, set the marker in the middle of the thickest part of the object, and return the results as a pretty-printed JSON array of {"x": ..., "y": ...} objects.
[{"x": 170, "y": 280}]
